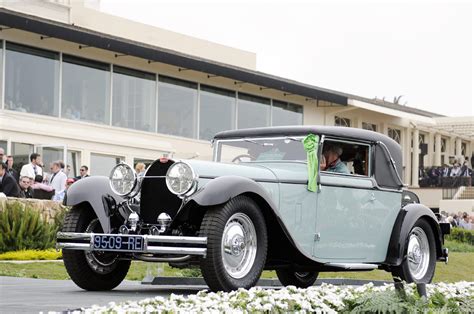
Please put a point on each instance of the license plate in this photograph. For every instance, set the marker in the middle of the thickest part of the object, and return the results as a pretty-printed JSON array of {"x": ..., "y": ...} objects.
[{"x": 118, "y": 243}]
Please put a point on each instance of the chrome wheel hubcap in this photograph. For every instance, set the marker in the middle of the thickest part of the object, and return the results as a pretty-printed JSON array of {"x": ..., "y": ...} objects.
[
  {"x": 418, "y": 253},
  {"x": 101, "y": 262},
  {"x": 239, "y": 245}
]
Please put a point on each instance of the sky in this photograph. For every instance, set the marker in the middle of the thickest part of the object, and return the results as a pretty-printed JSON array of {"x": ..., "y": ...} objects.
[{"x": 420, "y": 49}]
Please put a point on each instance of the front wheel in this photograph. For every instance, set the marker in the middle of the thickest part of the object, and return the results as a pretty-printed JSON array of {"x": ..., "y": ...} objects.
[
  {"x": 236, "y": 245},
  {"x": 91, "y": 270},
  {"x": 288, "y": 277},
  {"x": 420, "y": 261}
]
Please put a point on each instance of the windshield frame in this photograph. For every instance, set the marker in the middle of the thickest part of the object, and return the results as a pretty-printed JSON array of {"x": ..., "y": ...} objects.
[{"x": 218, "y": 146}]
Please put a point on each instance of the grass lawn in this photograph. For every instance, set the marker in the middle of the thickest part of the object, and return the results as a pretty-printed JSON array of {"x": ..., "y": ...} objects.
[{"x": 458, "y": 269}]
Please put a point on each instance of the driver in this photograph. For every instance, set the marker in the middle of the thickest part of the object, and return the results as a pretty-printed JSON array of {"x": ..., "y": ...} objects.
[{"x": 332, "y": 152}]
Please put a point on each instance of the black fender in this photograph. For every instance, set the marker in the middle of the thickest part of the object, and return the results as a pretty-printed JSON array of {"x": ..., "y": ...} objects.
[
  {"x": 407, "y": 217},
  {"x": 90, "y": 190},
  {"x": 220, "y": 190}
]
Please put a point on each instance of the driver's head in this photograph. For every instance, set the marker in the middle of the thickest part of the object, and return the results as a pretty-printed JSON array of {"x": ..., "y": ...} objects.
[{"x": 332, "y": 152}]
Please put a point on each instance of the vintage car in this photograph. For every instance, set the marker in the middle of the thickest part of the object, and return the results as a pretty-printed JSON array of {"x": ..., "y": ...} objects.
[{"x": 266, "y": 201}]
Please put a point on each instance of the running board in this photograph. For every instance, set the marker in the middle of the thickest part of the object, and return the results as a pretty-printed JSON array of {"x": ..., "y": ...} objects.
[{"x": 353, "y": 266}]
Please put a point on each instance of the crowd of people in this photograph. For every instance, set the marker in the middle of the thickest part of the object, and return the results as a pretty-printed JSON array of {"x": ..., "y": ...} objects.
[
  {"x": 454, "y": 175},
  {"x": 33, "y": 181},
  {"x": 459, "y": 220}
]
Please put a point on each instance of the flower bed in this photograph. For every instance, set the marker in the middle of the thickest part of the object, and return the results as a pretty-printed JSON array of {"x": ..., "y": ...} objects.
[{"x": 449, "y": 298}]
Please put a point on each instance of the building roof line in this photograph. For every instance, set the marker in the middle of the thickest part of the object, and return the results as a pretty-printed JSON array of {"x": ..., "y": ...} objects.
[{"x": 88, "y": 37}]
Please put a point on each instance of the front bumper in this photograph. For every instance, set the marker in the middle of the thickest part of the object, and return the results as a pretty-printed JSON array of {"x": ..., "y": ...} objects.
[{"x": 169, "y": 245}]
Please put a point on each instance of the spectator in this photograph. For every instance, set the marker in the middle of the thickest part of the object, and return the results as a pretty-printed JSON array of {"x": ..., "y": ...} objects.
[
  {"x": 465, "y": 223},
  {"x": 33, "y": 168},
  {"x": 456, "y": 171},
  {"x": 8, "y": 185},
  {"x": 140, "y": 169},
  {"x": 446, "y": 171},
  {"x": 25, "y": 189},
  {"x": 39, "y": 185},
  {"x": 57, "y": 181},
  {"x": 83, "y": 173},
  {"x": 2, "y": 155},
  {"x": 11, "y": 170},
  {"x": 332, "y": 152}
]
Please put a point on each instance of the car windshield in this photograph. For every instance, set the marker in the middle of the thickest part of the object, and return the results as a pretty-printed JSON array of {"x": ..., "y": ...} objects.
[{"x": 259, "y": 150}]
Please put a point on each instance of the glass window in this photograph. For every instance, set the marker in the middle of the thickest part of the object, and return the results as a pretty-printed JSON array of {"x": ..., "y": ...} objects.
[
  {"x": 286, "y": 114},
  {"x": 101, "y": 165},
  {"x": 86, "y": 90},
  {"x": 217, "y": 111},
  {"x": 395, "y": 134},
  {"x": 134, "y": 99},
  {"x": 443, "y": 145},
  {"x": 253, "y": 111},
  {"x": 73, "y": 160},
  {"x": 369, "y": 126},
  {"x": 177, "y": 107},
  {"x": 21, "y": 155},
  {"x": 354, "y": 158},
  {"x": 4, "y": 145},
  {"x": 31, "y": 80},
  {"x": 261, "y": 150},
  {"x": 339, "y": 121},
  {"x": 463, "y": 148}
]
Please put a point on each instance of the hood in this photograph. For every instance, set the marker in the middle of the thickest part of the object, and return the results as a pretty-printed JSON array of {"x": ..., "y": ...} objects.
[{"x": 281, "y": 171}]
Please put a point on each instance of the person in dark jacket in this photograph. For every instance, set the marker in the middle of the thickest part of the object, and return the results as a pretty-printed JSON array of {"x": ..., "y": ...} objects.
[
  {"x": 8, "y": 184},
  {"x": 25, "y": 188}
]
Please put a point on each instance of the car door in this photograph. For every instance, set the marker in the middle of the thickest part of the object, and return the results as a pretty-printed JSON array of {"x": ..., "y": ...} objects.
[{"x": 344, "y": 210}]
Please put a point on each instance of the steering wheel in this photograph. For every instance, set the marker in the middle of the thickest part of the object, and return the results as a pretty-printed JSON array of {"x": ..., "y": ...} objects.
[{"x": 240, "y": 158}]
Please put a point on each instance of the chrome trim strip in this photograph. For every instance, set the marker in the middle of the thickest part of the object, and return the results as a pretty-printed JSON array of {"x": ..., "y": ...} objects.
[{"x": 353, "y": 265}]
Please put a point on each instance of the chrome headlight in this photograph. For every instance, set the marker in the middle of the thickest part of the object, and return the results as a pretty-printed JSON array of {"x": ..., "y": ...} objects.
[
  {"x": 181, "y": 179},
  {"x": 123, "y": 179}
]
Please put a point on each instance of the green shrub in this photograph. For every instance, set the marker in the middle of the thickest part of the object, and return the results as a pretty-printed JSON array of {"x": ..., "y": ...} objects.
[
  {"x": 462, "y": 235},
  {"x": 22, "y": 228}
]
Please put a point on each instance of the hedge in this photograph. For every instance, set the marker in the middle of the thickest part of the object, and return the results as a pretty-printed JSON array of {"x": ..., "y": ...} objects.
[
  {"x": 462, "y": 235},
  {"x": 22, "y": 228}
]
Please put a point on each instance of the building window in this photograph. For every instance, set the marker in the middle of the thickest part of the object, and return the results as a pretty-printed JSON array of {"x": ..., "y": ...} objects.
[
  {"x": 21, "y": 155},
  {"x": 369, "y": 126},
  {"x": 73, "y": 160},
  {"x": 421, "y": 138},
  {"x": 134, "y": 99},
  {"x": 101, "y": 165},
  {"x": 85, "y": 90},
  {"x": 31, "y": 80},
  {"x": 216, "y": 111},
  {"x": 395, "y": 134},
  {"x": 253, "y": 111},
  {"x": 338, "y": 121},
  {"x": 463, "y": 149},
  {"x": 177, "y": 107},
  {"x": 443, "y": 145},
  {"x": 286, "y": 114}
]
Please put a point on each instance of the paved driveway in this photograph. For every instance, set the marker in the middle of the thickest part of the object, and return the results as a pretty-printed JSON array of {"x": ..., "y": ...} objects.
[{"x": 24, "y": 295}]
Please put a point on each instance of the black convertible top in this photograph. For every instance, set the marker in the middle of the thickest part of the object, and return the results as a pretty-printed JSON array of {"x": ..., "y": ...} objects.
[{"x": 383, "y": 170}]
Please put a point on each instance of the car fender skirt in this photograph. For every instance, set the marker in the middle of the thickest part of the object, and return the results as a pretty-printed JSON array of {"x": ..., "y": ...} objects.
[
  {"x": 222, "y": 189},
  {"x": 405, "y": 221},
  {"x": 91, "y": 190}
]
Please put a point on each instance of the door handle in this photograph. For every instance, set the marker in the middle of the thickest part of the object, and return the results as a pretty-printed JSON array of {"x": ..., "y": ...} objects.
[{"x": 372, "y": 197}]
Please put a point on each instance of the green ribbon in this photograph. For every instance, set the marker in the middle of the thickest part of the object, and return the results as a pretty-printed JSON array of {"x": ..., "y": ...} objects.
[{"x": 310, "y": 144}]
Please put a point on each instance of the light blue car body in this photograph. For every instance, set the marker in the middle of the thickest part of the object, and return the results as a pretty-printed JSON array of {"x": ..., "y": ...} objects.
[{"x": 346, "y": 220}]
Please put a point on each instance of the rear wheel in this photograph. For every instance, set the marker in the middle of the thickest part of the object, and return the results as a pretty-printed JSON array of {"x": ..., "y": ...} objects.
[
  {"x": 288, "y": 277},
  {"x": 236, "y": 245},
  {"x": 420, "y": 261},
  {"x": 91, "y": 270}
]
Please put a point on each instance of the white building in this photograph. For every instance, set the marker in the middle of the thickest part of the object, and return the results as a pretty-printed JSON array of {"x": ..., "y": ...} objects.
[{"x": 103, "y": 89}]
